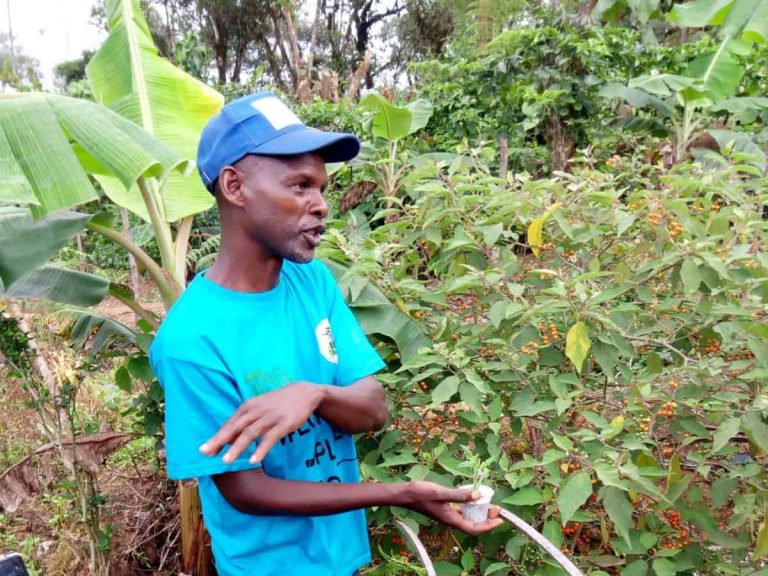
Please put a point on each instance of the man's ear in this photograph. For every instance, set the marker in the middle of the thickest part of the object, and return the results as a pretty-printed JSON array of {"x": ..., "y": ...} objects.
[{"x": 230, "y": 186}]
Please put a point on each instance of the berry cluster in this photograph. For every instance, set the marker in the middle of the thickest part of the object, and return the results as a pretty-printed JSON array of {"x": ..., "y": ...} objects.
[
  {"x": 668, "y": 409},
  {"x": 645, "y": 423},
  {"x": 531, "y": 348},
  {"x": 675, "y": 229},
  {"x": 667, "y": 451},
  {"x": 739, "y": 355},
  {"x": 654, "y": 218},
  {"x": 712, "y": 346},
  {"x": 549, "y": 333}
]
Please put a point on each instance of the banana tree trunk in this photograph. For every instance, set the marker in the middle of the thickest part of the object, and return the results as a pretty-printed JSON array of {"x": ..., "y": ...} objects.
[{"x": 196, "y": 556}]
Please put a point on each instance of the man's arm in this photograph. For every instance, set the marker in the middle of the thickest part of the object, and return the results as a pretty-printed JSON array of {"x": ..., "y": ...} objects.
[
  {"x": 254, "y": 492},
  {"x": 359, "y": 407}
]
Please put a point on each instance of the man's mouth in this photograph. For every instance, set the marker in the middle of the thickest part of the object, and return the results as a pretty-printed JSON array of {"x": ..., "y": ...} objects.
[{"x": 314, "y": 235}]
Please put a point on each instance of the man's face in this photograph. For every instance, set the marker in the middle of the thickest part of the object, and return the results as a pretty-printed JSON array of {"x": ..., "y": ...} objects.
[{"x": 284, "y": 205}]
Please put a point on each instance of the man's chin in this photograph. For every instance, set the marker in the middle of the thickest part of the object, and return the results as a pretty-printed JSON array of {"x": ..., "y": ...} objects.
[{"x": 300, "y": 257}]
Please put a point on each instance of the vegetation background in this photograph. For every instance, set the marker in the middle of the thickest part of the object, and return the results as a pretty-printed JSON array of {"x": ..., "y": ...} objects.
[{"x": 555, "y": 235}]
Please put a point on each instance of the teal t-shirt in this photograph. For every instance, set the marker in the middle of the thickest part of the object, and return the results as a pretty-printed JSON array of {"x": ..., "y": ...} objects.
[{"x": 217, "y": 348}]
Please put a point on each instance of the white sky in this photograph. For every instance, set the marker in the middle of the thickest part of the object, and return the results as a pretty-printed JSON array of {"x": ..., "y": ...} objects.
[{"x": 52, "y": 31}]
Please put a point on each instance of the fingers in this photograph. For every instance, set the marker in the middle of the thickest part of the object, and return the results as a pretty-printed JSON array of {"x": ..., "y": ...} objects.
[
  {"x": 244, "y": 439},
  {"x": 228, "y": 431},
  {"x": 482, "y": 527},
  {"x": 269, "y": 439}
]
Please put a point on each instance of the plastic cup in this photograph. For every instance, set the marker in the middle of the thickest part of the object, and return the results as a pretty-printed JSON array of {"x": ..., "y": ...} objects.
[{"x": 477, "y": 511}]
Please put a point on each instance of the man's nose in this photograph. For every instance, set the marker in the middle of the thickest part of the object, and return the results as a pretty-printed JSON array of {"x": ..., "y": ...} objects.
[{"x": 318, "y": 206}]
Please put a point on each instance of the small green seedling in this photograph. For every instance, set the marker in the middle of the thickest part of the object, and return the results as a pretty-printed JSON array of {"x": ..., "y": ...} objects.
[{"x": 476, "y": 467}]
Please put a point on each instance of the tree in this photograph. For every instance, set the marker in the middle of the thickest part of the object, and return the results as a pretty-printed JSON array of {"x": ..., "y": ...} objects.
[
  {"x": 72, "y": 70},
  {"x": 17, "y": 70}
]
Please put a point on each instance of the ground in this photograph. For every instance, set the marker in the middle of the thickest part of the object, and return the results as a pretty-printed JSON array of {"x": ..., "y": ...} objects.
[{"x": 138, "y": 515}]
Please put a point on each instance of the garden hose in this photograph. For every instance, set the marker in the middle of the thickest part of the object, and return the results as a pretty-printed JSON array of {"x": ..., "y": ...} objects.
[{"x": 513, "y": 519}]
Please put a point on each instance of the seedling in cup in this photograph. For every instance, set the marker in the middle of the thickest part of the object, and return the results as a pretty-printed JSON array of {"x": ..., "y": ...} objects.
[{"x": 477, "y": 468}]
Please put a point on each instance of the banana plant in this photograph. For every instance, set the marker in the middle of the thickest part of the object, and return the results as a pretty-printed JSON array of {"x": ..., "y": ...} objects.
[
  {"x": 391, "y": 124},
  {"x": 137, "y": 143},
  {"x": 685, "y": 101}
]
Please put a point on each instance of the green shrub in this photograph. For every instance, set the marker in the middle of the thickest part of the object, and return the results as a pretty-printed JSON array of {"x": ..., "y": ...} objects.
[{"x": 601, "y": 337}]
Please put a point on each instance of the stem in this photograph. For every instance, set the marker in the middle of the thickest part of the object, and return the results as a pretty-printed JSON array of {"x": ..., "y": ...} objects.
[
  {"x": 180, "y": 250},
  {"x": 169, "y": 290},
  {"x": 140, "y": 311},
  {"x": 160, "y": 226}
]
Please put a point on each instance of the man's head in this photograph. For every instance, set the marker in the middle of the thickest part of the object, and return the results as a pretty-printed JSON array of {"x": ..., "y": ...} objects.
[
  {"x": 261, "y": 124},
  {"x": 267, "y": 170}
]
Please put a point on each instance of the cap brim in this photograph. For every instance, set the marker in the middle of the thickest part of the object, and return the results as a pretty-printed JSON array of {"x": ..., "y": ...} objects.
[{"x": 332, "y": 146}]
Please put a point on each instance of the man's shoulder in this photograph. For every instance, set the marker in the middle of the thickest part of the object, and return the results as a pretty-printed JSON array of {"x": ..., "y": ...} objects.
[{"x": 187, "y": 321}]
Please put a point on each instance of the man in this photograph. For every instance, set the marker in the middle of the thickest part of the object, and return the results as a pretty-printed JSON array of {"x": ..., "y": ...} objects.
[{"x": 262, "y": 353}]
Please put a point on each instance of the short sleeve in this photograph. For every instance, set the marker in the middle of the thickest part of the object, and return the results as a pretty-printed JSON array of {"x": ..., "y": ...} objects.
[
  {"x": 357, "y": 357},
  {"x": 198, "y": 400}
]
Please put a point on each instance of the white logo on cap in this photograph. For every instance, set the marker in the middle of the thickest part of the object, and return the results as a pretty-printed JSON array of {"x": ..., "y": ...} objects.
[{"x": 276, "y": 113}]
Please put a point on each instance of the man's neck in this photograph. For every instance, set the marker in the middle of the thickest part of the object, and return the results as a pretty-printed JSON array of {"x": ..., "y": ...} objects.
[{"x": 243, "y": 274}]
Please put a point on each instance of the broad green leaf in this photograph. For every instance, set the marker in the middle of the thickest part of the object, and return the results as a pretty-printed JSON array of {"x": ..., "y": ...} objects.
[
  {"x": 636, "y": 568},
  {"x": 496, "y": 568},
  {"x": 577, "y": 344},
  {"x": 97, "y": 330},
  {"x": 664, "y": 567},
  {"x": 444, "y": 391},
  {"x": 756, "y": 430},
  {"x": 390, "y": 122},
  {"x": 534, "y": 236},
  {"x": 732, "y": 141},
  {"x": 747, "y": 19},
  {"x": 661, "y": 84},
  {"x": 377, "y": 315},
  {"x": 421, "y": 112},
  {"x": 39, "y": 149},
  {"x": 727, "y": 430},
  {"x": 637, "y": 98},
  {"x": 722, "y": 490},
  {"x": 718, "y": 74},
  {"x": 26, "y": 244},
  {"x": 60, "y": 285},
  {"x": 128, "y": 75},
  {"x": 528, "y": 496},
  {"x": 619, "y": 511},
  {"x": 700, "y": 13},
  {"x": 56, "y": 141},
  {"x": 123, "y": 379},
  {"x": 15, "y": 188},
  {"x": 573, "y": 494},
  {"x": 690, "y": 275}
]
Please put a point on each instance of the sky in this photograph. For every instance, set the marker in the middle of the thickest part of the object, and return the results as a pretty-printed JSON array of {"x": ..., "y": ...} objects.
[{"x": 52, "y": 31}]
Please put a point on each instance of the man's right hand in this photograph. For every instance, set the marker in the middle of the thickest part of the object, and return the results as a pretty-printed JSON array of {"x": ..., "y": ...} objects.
[
  {"x": 266, "y": 418},
  {"x": 436, "y": 502}
]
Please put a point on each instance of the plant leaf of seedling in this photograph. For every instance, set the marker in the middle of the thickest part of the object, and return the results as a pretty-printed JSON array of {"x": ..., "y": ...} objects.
[
  {"x": 573, "y": 494},
  {"x": 577, "y": 344}
]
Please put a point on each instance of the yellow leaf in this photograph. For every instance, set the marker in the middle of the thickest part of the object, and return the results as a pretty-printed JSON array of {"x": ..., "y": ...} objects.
[
  {"x": 577, "y": 344},
  {"x": 535, "y": 236},
  {"x": 564, "y": 467}
]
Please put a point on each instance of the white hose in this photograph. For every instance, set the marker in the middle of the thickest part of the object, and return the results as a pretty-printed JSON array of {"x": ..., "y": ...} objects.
[{"x": 539, "y": 538}]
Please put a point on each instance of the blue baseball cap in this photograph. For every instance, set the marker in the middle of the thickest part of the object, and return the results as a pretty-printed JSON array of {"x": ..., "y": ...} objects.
[{"x": 262, "y": 124}]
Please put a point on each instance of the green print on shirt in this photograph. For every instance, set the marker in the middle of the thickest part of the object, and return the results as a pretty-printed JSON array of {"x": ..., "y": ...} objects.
[{"x": 263, "y": 382}]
